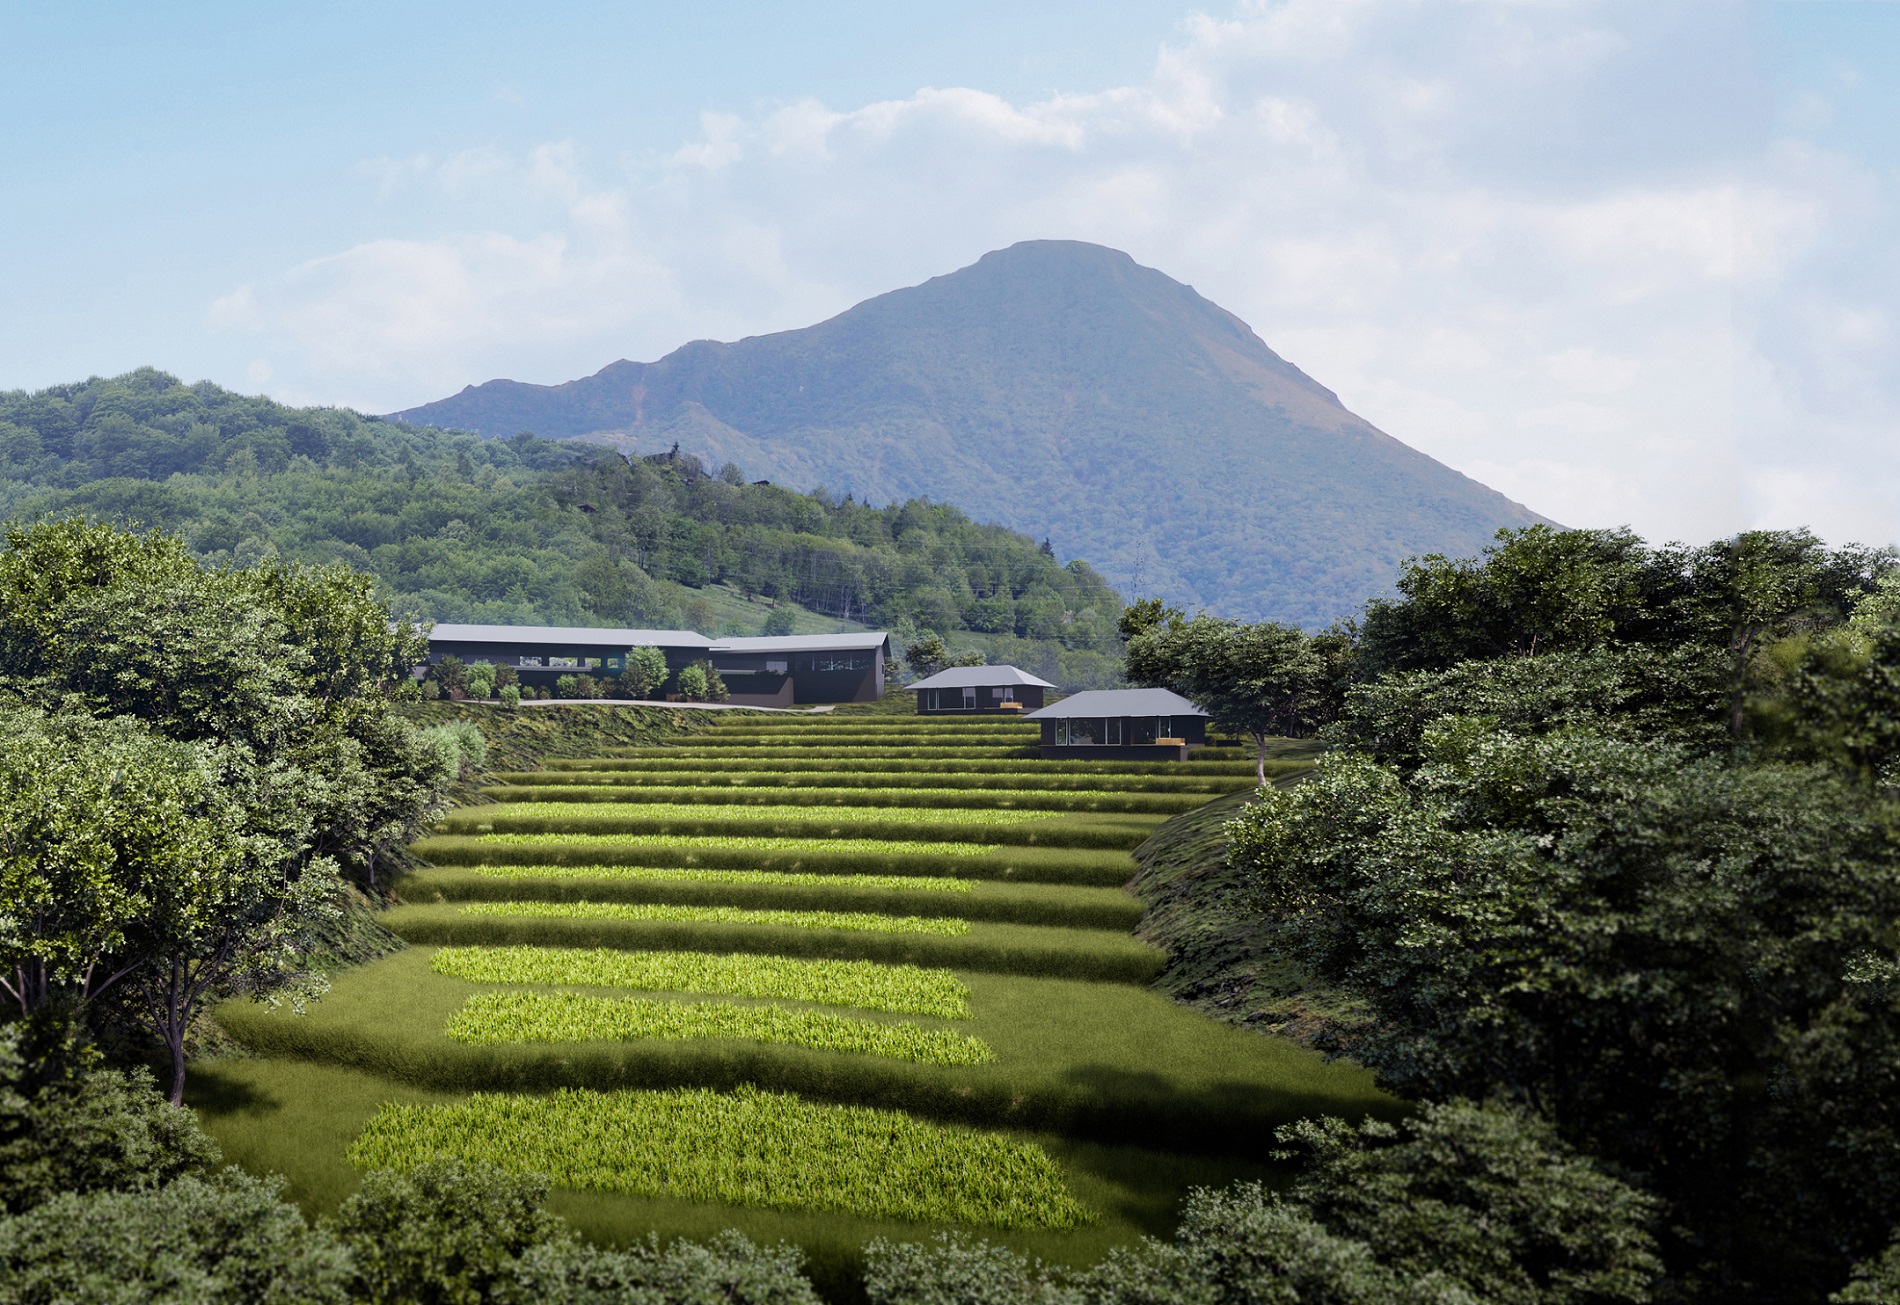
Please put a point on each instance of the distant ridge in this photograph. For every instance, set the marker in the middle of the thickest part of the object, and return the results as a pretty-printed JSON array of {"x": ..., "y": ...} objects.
[{"x": 1065, "y": 390}]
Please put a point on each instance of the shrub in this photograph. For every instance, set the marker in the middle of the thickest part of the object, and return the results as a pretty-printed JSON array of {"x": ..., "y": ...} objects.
[
  {"x": 855, "y": 921},
  {"x": 566, "y": 686},
  {"x": 86, "y": 1129},
  {"x": 491, "y": 1017},
  {"x": 780, "y": 621},
  {"x": 873, "y": 845},
  {"x": 461, "y": 745},
  {"x": 585, "y": 686},
  {"x": 510, "y": 696},
  {"x": 727, "y": 1270},
  {"x": 692, "y": 682},
  {"x": 591, "y": 813},
  {"x": 506, "y": 676},
  {"x": 442, "y": 1231},
  {"x": 744, "y": 1148},
  {"x": 450, "y": 673},
  {"x": 479, "y": 682},
  {"x": 773, "y": 878},
  {"x": 901, "y": 989},
  {"x": 645, "y": 672},
  {"x": 228, "y": 1241},
  {"x": 431, "y": 691}
]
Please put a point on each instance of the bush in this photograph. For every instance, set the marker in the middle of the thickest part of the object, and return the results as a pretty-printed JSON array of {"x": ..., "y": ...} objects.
[
  {"x": 431, "y": 691},
  {"x": 450, "y": 673},
  {"x": 87, "y": 1129},
  {"x": 228, "y": 1241},
  {"x": 505, "y": 676},
  {"x": 510, "y": 696},
  {"x": 850, "y": 921},
  {"x": 460, "y": 745},
  {"x": 479, "y": 682},
  {"x": 645, "y": 672},
  {"x": 693, "y": 682},
  {"x": 585, "y": 686},
  {"x": 780, "y": 621},
  {"x": 728, "y": 1270},
  {"x": 443, "y": 1231},
  {"x": 566, "y": 686}
]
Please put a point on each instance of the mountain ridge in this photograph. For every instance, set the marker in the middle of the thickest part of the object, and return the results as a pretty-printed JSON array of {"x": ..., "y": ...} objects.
[{"x": 1059, "y": 388}]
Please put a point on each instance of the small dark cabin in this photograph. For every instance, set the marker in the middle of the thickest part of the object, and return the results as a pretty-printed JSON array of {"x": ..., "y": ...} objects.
[
  {"x": 979, "y": 691},
  {"x": 1121, "y": 725}
]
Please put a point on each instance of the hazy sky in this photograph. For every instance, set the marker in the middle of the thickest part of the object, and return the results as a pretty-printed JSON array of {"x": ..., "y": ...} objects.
[{"x": 1627, "y": 262}]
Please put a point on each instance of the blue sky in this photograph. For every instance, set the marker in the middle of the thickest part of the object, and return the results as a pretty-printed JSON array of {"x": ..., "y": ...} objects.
[{"x": 1627, "y": 262}]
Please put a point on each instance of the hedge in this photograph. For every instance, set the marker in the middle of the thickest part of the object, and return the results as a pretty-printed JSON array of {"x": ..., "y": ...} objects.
[
  {"x": 851, "y": 921},
  {"x": 938, "y": 799}
]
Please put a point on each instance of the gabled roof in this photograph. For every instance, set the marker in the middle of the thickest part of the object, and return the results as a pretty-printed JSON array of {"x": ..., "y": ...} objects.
[
  {"x": 584, "y": 636},
  {"x": 962, "y": 677},
  {"x": 791, "y": 643},
  {"x": 1118, "y": 702}
]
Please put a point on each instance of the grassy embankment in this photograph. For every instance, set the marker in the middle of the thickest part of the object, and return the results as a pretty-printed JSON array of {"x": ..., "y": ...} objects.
[{"x": 953, "y": 955}]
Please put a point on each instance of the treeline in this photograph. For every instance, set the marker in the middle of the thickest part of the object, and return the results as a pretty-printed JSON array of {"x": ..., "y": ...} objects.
[
  {"x": 525, "y": 531},
  {"x": 1607, "y": 836}
]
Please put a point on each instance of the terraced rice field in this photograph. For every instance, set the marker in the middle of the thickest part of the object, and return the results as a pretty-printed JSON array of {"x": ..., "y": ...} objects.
[{"x": 822, "y": 978}]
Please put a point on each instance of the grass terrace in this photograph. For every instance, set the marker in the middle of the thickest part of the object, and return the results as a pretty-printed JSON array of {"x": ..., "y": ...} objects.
[{"x": 822, "y": 979}]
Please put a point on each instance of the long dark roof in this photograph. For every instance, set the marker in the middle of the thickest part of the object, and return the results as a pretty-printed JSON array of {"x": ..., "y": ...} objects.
[
  {"x": 1118, "y": 702},
  {"x": 962, "y": 677}
]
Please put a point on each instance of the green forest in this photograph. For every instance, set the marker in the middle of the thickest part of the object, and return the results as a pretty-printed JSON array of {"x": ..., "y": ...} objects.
[{"x": 528, "y": 531}]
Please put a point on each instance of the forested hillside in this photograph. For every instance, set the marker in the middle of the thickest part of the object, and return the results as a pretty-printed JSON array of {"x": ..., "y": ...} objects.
[
  {"x": 1063, "y": 389},
  {"x": 527, "y": 531}
]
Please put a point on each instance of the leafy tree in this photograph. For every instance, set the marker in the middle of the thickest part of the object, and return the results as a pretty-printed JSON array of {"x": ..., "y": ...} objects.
[
  {"x": 692, "y": 682},
  {"x": 510, "y": 696},
  {"x": 480, "y": 680},
  {"x": 231, "y": 1240},
  {"x": 927, "y": 654},
  {"x": 780, "y": 621},
  {"x": 1260, "y": 679},
  {"x": 451, "y": 673},
  {"x": 1666, "y": 954},
  {"x": 645, "y": 672},
  {"x": 69, "y": 1125}
]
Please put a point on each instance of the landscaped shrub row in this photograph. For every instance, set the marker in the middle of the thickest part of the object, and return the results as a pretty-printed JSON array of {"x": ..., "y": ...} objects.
[
  {"x": 1103, "y": 830},
  {"x": 856, "y": 921},
  {"x": 1038, "y": 904},
  {"x": 588, "y": 814},
  {"x": 837, "y": 733},
  {"x": 1199, "y": 784},
  {"x": 1032, "y": 865},
  {"x": 919, "y": 799},
  {"x": 1090, "y": 955},
  {"x": 901, "y": 989},
  {"x": 491, "y": 1017},
  {"x": 744, "y": 1148},
  {"x": 805, "y": 763},
  {"x": 767, "y": 878}
]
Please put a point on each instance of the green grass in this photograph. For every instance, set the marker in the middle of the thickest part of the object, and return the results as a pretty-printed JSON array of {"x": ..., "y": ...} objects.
[
  {"x": 870, "y": 781},
  {"x": 746, "y": 1147},
  {"x": 931, "y": 802},
  {"x": 971, "y": 899},
  {"x": 490, "y": 1017},
  {"x": 1114, "y": 1063},
  {"x": 891, "y": 828},
  {"x": 762, "y": 878},
  {"x": 1096, "y": 955},
  {"x": 856, "y": 921},
  {"x": 592, "y": 814},
  {"x": 903, "y": 989},
  {"x": 671, "y": 760},
  {"x": 1034, "y": 865}
]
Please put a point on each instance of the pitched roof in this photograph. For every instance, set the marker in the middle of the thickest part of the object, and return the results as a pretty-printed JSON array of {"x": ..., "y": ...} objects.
[
  {"x": 584, "y": 636},
  {"x": 961, "y": 677},
  {"x": 1118, "y": 702},
  {"x": 791, "y": 643}
]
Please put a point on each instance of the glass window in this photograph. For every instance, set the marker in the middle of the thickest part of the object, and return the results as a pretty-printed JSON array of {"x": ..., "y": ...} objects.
[
  {"x": 1112, "y": 732},
  {"x": 778, "y": 667},
  {"x": 530, "y": 661},
  {"x": 1062, "y": 733},
  {"x": 1085, "y": 730},
  {"x": 1141, "y": 730},
  {"x": 969, "y": 697}
]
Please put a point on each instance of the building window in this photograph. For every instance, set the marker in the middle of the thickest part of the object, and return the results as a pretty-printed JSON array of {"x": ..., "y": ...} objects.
[
  {"x": 1006, "y": 694},
  {"x": 969, "y": 697},
  {"x": 841, "y": 663},
  {"x": 530, "y": 661},
  {"x": 777, "y": 668},
  {"x": 593, "y": 663},
  {"x": 1112, "y": 732},
  {"x": 613, "y": 663},
  {"x": 563, "y": 663},
  {"x": 1164, "y": 727},
  {"x": 1141, "y": 730},
  {"x": 1085, "y": 733}
]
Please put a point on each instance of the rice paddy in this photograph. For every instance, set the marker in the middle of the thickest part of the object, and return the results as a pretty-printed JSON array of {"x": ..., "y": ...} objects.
[{"x": 809, "y": 977}]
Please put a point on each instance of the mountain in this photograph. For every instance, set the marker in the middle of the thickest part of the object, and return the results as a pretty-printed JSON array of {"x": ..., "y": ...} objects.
[{"x": 1062, "y": 389}]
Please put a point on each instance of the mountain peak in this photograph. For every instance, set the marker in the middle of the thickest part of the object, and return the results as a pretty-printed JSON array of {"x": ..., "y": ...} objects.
[{"x": 1064, "y": 389}]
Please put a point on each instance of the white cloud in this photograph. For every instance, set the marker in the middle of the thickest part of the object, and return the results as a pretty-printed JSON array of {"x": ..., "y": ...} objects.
[{"x": 1545, "y": 242}]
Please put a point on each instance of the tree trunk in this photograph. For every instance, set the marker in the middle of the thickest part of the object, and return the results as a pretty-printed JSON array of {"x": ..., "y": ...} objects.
[
  {"x": 1260, "y": 762},
  {"x": 178, "y": 1068}
]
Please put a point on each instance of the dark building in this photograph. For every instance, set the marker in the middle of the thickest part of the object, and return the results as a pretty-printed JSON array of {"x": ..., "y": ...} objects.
[
  {"x": 761, "y": 672},
  {"x": 979, "y": 691},
  {"x": 1121, "y": 725}
]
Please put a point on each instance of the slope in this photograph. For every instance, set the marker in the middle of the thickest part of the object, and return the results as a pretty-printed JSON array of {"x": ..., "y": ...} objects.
[{"x": 1071, "y": 392}]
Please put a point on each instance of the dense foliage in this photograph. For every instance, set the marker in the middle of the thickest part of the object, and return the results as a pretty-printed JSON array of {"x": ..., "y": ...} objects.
[
  {"x": 523, "y": 531},
  {"x": 1610, "y": 833}
]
